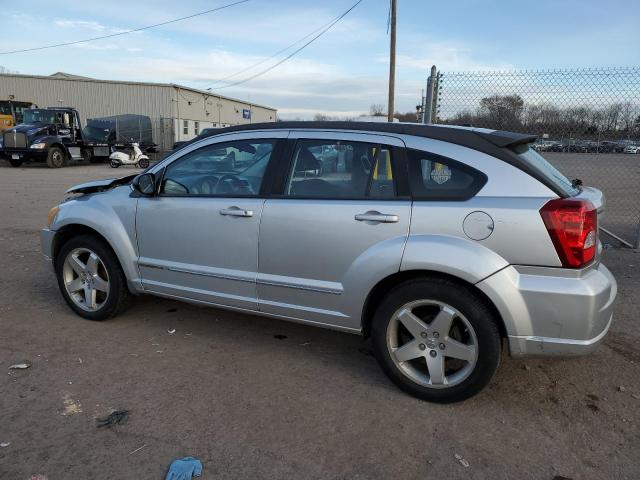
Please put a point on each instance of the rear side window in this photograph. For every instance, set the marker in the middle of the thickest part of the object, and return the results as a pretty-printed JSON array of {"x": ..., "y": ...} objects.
[
  {"x": 433, "y": 177},
  {"x": 334, "y": 169}
]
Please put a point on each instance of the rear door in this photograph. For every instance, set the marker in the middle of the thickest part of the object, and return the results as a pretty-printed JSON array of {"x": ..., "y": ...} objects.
[{"x": 339, "y": 219}]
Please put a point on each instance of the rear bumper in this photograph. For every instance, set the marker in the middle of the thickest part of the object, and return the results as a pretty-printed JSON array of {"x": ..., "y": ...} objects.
[
  {"x": 553, "y": 311},
  {"x": 46, "y": 242}
]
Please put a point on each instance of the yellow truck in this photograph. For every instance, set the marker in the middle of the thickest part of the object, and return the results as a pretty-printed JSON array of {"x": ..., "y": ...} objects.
[{"x": 11, "y": 113}]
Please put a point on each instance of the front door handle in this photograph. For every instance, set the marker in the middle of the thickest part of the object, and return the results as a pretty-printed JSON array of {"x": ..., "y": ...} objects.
[
  {"x": 236, "y": 212},
  {"x": 374, "y": 216}
]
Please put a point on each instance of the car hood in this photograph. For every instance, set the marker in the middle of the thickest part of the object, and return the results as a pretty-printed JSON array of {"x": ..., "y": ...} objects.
[{"x": 101, "y": 185}]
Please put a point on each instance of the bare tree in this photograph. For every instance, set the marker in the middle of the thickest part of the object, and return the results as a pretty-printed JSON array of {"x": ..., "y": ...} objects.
[
  {"x": 4, "y": 69},
  {"x": 377, "y": 110},
  {"x": 321, "y": 117},
  {"x": 502, "y": 111}
]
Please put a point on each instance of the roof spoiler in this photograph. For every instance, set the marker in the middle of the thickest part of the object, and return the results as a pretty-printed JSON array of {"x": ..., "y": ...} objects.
[{"x": 504, "y": 139}]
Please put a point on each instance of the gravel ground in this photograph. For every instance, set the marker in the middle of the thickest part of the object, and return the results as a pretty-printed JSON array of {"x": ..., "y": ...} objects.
[{"x": 259, "y": 398}]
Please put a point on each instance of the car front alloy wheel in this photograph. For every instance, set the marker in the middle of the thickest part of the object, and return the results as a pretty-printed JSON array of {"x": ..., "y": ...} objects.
[
  {"x": 86, "y": 279},
  {"x": 90, "y": 278}
]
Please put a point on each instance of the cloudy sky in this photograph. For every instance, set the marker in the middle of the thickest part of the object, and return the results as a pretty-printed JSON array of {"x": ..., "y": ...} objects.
[{"x": 340, "y": 74}]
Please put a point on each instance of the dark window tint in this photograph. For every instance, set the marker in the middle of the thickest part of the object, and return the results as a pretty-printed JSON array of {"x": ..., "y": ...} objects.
[
  {"x": 221, "y": 169},
  {"x": 436, "y": 177},
  {"x": 341, "y": 169}
]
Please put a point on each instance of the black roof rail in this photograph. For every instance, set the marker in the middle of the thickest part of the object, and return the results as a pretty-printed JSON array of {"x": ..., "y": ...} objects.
[{"x": 449, "y": 133}]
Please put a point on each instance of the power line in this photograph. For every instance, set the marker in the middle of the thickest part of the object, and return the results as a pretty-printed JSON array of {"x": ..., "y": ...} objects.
[
  {"x": 251, "y": 67},
  {"x": 322, "y": 32},
  {"x": 127, "y": 31}
]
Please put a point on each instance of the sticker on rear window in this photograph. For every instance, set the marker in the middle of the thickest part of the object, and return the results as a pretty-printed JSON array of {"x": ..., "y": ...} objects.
[{"x": 440, "y": 173}]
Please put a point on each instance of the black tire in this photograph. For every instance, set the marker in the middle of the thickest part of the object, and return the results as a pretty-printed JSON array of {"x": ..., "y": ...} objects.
[
  {"x": 118, "y": 298},
  {"x": 56, "y": 158},
  {"x": 143, "y": 163},
  {"x": 15, "y": 163},
  {"x": 114, "y": 164},
  {"x": 465, "y": 301},
  {"x": 88, "y": 156}
]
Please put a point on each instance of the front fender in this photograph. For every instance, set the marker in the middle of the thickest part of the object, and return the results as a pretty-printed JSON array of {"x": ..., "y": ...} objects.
[
  {"x": 112, "y": 215},
  {"x": 52, "y": 141},
  {"x": 49, "y": 140},
  {"x": 461, "y": 258}
]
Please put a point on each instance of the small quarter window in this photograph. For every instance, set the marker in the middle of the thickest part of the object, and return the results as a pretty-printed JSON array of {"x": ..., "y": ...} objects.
[{"x": 433, "y": 177}]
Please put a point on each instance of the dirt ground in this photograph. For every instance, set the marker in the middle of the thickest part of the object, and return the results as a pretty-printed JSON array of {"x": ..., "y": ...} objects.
[{"x": 258, "y": 398}]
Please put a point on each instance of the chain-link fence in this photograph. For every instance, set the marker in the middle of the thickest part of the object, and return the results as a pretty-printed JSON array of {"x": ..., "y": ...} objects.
[{"x": 587, "y": 122}]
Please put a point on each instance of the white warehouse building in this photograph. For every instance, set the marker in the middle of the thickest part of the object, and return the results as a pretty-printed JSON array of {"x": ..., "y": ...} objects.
[{"x": 176, "y": 112}]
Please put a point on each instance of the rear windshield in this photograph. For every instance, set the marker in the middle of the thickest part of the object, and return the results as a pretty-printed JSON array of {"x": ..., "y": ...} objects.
[{"x": 537, "y": 162}]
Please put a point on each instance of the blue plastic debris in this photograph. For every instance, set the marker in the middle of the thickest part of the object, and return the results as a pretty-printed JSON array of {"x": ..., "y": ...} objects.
[{"x": 184, "y": 469}]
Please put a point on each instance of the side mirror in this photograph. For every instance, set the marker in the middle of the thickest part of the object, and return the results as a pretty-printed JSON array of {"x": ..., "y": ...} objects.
[{"x": 145, "y": 184}]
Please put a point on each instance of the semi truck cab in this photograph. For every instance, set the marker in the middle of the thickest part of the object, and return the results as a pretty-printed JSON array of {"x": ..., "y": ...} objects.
[{"x": 52, "y": 135}]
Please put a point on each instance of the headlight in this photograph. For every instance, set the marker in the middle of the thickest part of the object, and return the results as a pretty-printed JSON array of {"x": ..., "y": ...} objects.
[
  {"x": 53, "y": 213},
  {"x": 38, "y": 146}
]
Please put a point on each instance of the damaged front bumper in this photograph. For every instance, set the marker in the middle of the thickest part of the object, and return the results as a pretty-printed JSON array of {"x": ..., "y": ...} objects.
[{"x": 46, "y": 242}]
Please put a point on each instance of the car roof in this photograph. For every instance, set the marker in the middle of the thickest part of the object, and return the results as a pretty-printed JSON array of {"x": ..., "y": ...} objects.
[
  {"x": 500, "y": 144},
  {"x": 466, "y": 136}
]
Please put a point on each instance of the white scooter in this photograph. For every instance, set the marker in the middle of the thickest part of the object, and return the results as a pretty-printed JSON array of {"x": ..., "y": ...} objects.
[{"x": 136, "y": 157}]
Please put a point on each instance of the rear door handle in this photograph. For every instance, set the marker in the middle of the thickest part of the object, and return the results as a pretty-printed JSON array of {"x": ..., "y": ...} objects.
[
  {"x": 373, "y": 216},
  {"x": 236, "y": 212}
]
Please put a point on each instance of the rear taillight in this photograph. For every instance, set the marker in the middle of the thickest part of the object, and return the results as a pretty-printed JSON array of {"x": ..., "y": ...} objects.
[{"x": 573, "y": 227}]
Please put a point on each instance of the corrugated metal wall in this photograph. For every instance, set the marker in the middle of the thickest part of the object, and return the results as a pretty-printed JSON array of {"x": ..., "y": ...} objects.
[
  {"x": 166, "y": 105},
  {"x": 95, "y": 99}
]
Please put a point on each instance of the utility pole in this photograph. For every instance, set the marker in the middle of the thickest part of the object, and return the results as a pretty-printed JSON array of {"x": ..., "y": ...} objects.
[{"x": 392, "y": 62}]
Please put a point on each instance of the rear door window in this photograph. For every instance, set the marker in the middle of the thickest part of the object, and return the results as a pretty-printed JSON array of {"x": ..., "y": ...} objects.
[
  {"x": 341, "y": 169},
  {"x": 434, "y": 177}
]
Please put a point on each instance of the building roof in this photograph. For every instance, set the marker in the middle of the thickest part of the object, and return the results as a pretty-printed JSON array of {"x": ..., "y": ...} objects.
[
  {"x": 69, "y": 76},
  {"x": 77, "y": 78}
]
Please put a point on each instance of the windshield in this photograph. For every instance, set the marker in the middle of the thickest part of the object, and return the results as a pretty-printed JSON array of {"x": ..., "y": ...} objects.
[
  {"x": 541, "y": 165},
  {"x": 39, "y": 116},
  {"x": 5, "y": 108}
]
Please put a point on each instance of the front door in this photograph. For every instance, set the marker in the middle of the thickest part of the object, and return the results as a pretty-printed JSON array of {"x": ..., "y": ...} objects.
[
  {"x": 198, "y": 239},
  {"x": 339, "y": 223}
]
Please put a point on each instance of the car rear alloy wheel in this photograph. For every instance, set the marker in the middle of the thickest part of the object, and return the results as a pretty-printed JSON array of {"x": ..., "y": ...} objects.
[
  {"x": 432, "y": 343},
  {"x": 86, "y": 279},
  {"x": 436, "y": 338}
]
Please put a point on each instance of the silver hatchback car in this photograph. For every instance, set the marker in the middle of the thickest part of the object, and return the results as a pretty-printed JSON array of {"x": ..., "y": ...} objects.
[{"x": 436, "y": 242}]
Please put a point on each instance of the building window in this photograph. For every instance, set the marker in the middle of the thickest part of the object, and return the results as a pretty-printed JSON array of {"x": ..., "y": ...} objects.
[
  {"x": 196, "y": 128},
  {"x": 185, "y": 127}
]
